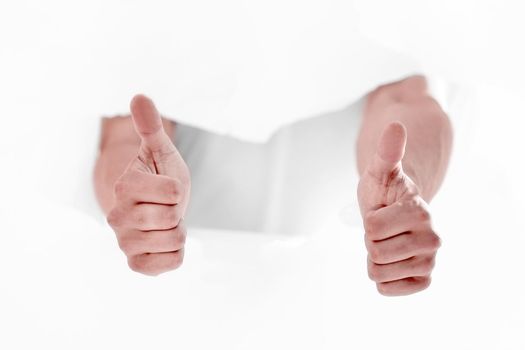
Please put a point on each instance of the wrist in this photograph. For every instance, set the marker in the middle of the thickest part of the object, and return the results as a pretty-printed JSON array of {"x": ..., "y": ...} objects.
[{"x": 424, "y": 183}]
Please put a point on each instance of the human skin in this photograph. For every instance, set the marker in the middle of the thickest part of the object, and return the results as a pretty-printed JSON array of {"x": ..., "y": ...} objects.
[
  {"x": 403, "y": 151},
  {"x": 143, "y": 186},
  {"x": 393, "y": 190}
]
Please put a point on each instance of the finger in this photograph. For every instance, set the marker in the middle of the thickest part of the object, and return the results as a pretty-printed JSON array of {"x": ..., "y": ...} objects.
[
  {"x": 154, "y": 264},
  {"x": 389, "y": 153},
  {"x": 419, "y": 266},
  {"x": 146, "y": 217},
  {"x": 141, "y": 187},
  {"x": 404, "y": 287},
  {"x": 402, "y": 247},
  {"x": 148, "y": 124},
  {"x": 136, "y": 242},
  {"x": 400, "y": 217}
]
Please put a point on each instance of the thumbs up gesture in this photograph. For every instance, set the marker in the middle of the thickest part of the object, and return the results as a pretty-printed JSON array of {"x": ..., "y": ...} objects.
[
  {"x": 151, "y": 197},
  {"x": 398, "y": 233}
]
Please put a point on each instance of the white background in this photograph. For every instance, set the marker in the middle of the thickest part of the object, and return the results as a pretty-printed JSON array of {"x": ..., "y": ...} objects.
[{"x": 65, "y": 284}]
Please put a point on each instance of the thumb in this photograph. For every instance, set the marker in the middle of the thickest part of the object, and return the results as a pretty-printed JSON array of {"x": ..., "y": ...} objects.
[
  {"x": 148, "y": 124},
  {"x": 390, "y": 150}
]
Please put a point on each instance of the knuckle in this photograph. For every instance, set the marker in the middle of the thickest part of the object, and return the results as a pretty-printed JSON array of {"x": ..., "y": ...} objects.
[
  {"x": 434, "y": 241},
  {"x": 120, "y": 188},
  {"x": 114, "y": 218},
  {"x": 375, "y": 253},
  {"x": 425, "y": 266},
  {"x": 371, "y": 223},
  {"x": 423, "y": 215},
  {"x": 177, "y": 238},
  {"x": 180, "y": 236},
  {"x": 174, "y": 190},
  {"x": 428, "y": 264},
  {"x": 374, "y": 272},
  {"x": 418, "y": 208},
  {"x": 411, "y": 203},
  {"x": 126, "y": 244},
  {"x": 424, "y": 283},
  {"x": 422, "y": 212}
]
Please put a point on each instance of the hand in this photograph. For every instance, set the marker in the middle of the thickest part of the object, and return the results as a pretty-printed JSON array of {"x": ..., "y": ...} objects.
[
  {"x": 151, "y": 197},
  {"x": 398, "y": 233}
]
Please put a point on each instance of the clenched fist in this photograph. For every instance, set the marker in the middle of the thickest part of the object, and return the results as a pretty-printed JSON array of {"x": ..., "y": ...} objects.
[
  {"x": 399, "y": 237},
  {"x": 151, "y": 197}
]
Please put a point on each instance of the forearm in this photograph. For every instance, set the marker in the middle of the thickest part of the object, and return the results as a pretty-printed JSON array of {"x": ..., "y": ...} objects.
[
  {"x": 429, "y": 132},
  {"x": 119, "y": 144}
]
